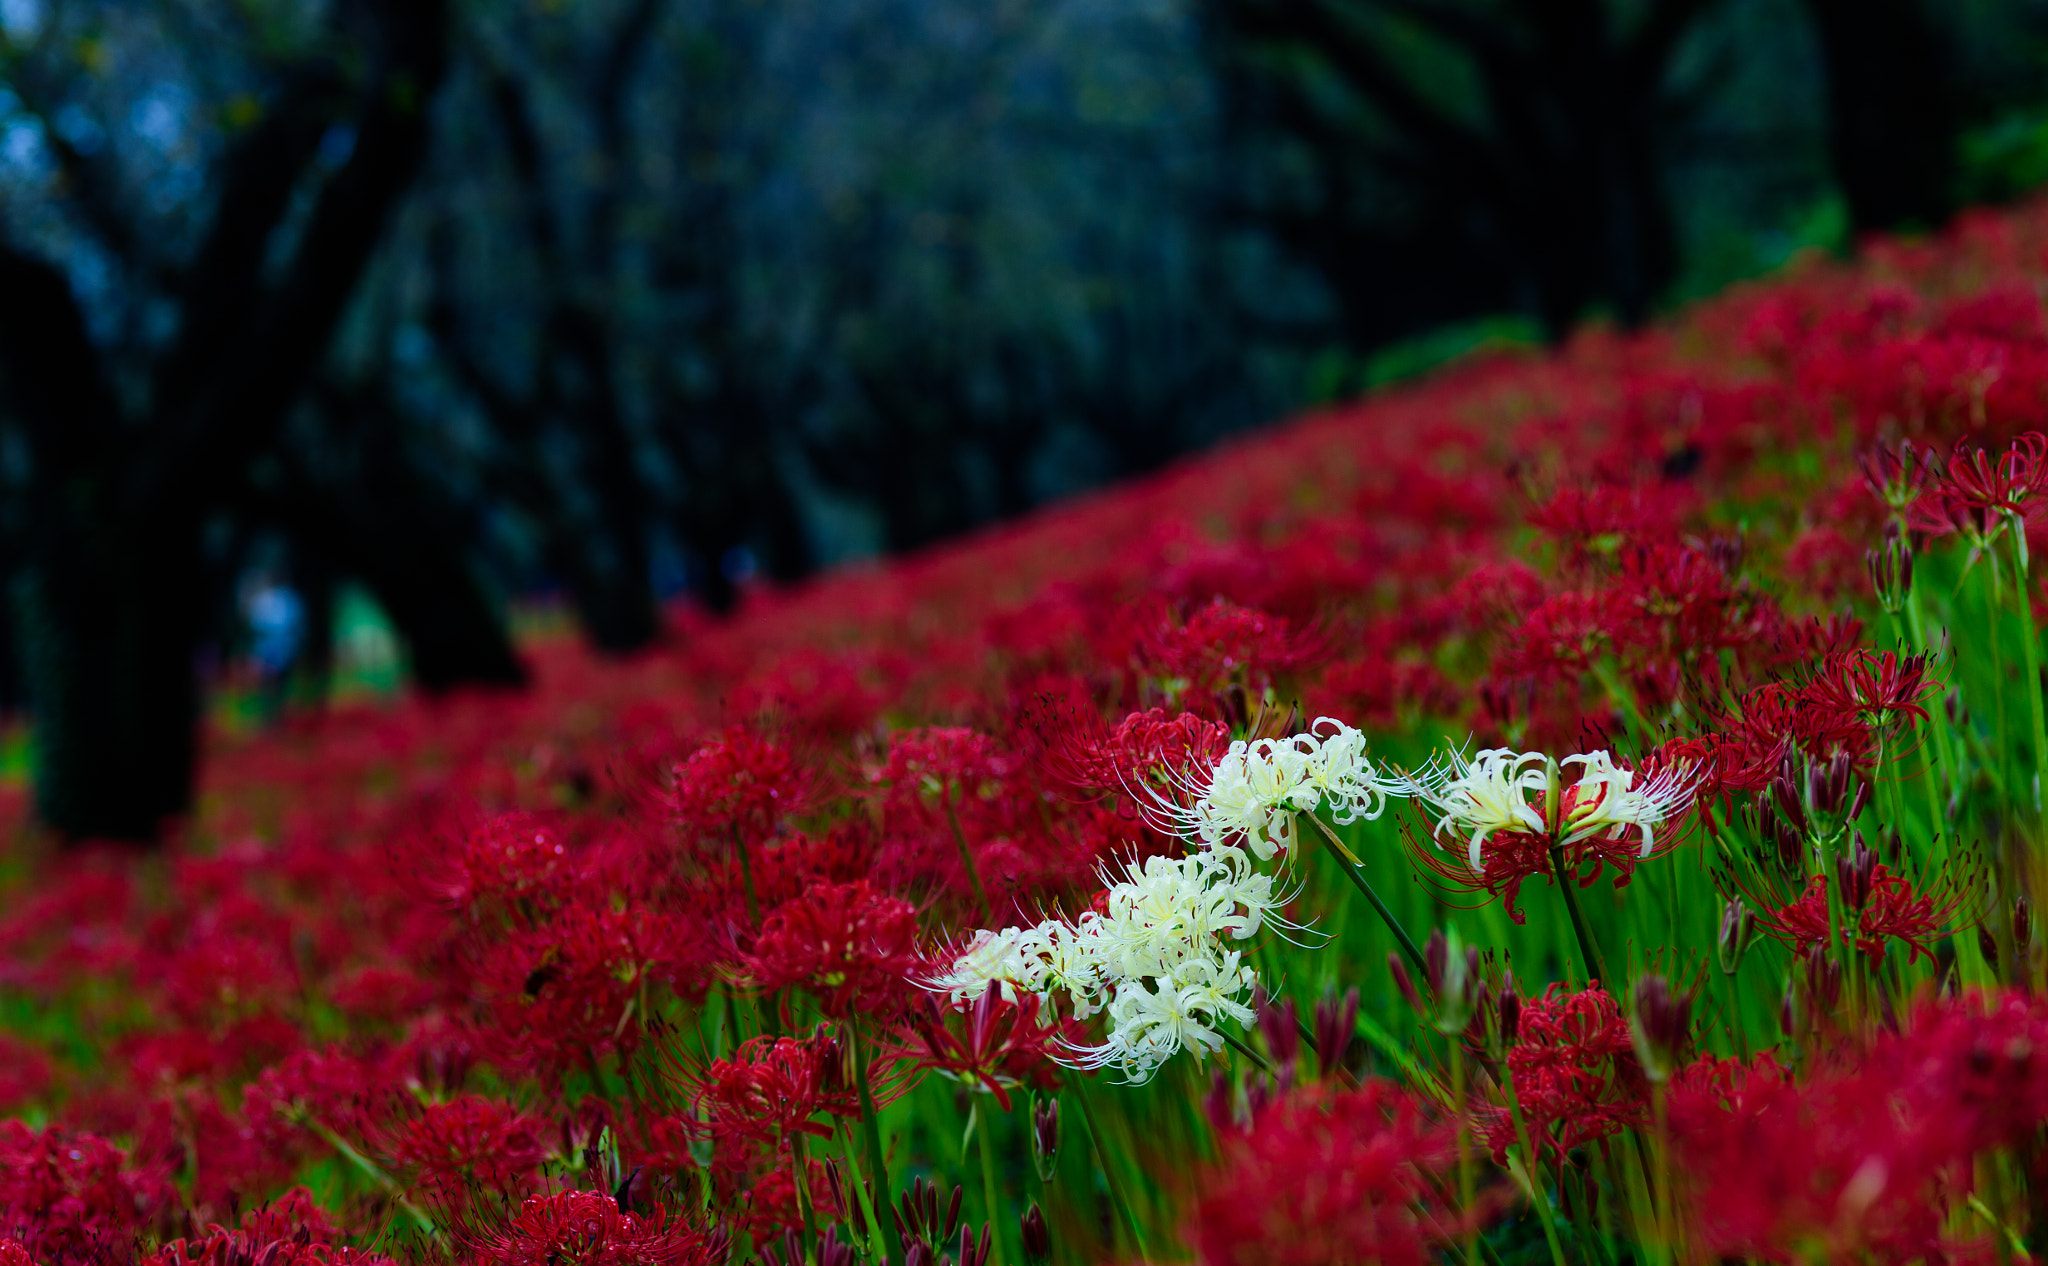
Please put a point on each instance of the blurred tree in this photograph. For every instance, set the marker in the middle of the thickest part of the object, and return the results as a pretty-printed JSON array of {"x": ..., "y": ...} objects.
[
  {"x": 130, "y": 446},
  {"x": 1894, "y": 113},
  {"x": 1503, "y": 154}
]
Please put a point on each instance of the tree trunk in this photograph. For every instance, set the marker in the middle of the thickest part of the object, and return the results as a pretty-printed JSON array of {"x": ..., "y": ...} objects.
[
  {"x": 107, "y": 616},
  {"x": 1892, "y": 116}
]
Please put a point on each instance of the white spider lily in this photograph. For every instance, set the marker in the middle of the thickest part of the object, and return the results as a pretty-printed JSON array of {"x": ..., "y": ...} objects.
[
  {"x": 1153, "y": 956},
  {"x": 1258, "y": 786},
  {"x": 1606, "y": 800},
  {"x": 1486, "y": 794}
]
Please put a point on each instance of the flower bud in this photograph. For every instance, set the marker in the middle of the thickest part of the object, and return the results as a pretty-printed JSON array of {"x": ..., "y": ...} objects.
[
  {"x": 1854, "y": 870},
  {"x": 1037, "y": 1240},
  {"x": 1045, "y": 1136},
  {"x": 1823, "y": 980},
  {"x": 1987, "y": 945},
  {"x": 1336, "y": 1021},
  {"x": 1453, "y": 981},
  {"x": 1858, "y": 801},
  {"x": 2022, "y": 924},
  {"x": 1281, "y": 1027},
  {"x": 1738, "y": 926},
  {"x": 1891, "y": 571},
  {"x": 1510, "y": 1006},
  {"x": 1661, "y": 1024},
  {"x": 1402, "y": 980}
]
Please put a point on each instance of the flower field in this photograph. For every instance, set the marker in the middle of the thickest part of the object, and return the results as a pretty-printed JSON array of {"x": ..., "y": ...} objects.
[{"x": 1581, "y": 808}]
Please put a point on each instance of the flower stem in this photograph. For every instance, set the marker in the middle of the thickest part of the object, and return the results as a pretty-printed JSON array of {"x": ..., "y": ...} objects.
[
  {"x": 1595, "y": 970},
  {"x": 1355, "y": 872},
  {"x": 1238, "y": 1045},
  {"x": 860, "y": 1188},
  {"x": 1538, "y": 1198},
  {"x": 967, "y": 859},
  {"x": 1116, "y": 1186},
  {"x": 2031, "y": 651},
  {"x": 878, "y": 1162},
  {"x": 375, "y": 1174},
  {"x": 988, "y": 1186}
]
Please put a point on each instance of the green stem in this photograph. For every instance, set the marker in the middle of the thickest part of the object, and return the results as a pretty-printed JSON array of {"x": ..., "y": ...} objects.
[
  {"x": 1537, "y": 1196},
  {"x": 747, "y": 878},
  {"x": 878, "y": 1161},
  {"x": 1990, "y": 587},
  {"x": 860, "y": 1189},
  {"x": 1566, "y": 885},
  {"x": 2031, "y": 652},
  {"x": 988, "y": 1187},
  {"x": 1238, "y": 1045},
  {"x": 375, "y": 1174},
  {"x": 1356, "y": 874},
  {"x": 1116, "y": 1186},
  {"x": 967, "y": 859}
]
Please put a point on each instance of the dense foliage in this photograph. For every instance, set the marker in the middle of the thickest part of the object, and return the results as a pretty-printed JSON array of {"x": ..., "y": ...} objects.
[{"x": 1175, "y": 874}]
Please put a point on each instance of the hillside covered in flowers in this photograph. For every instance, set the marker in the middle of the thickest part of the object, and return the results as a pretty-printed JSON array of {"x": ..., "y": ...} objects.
[{"x": 1579, "y": 808}]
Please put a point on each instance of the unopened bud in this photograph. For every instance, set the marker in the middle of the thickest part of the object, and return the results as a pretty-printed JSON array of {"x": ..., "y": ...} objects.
[
  {"x": 1037, "y": 1240},
  {"x": 1281, "y": 1026},
  {"x": 1661, "y": 1024},
  {"x": 1045, "y": 1136},
  {"x": 1987, "y": 944},
  {"x": 1336, "y": 1021},
  {"x": 1858, "y": 801},
  {"x": 1738, "y": 925},
  {"x": 1510, "y": 1013},
  {"x": 1402, "y": 980},
  {"x": 1453, "y": 981},
  {"x": 1855, "y": 869},
  {"x": 2022, "y": 924},
  {"x": 1891, "y": 571}
]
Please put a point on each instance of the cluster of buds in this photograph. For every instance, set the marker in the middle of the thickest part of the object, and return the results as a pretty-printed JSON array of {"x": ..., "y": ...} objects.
[
  {"x": 1045, "y": 1135},
  {"x": 1451, "y": 969},
  {"x": 1891, "y": 569},
  {"x": 926, "y": 1235},
  {"x": 1738, "y": 929},
  {"x": 1814, "y": 800}
]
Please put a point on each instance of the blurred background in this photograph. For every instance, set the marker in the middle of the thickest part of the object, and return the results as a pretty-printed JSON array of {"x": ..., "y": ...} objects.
[{"x": 334, "y": 331}]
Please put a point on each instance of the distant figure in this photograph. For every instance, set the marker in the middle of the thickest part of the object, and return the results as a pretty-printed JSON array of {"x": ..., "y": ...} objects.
[{"x": 277, "y": 628}]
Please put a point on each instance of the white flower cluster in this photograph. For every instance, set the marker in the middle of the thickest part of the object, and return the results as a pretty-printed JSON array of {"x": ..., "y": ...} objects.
[
  {"x": 1154, "y": 955},
  {"x": 1154, "y": 958},
  {"x": 1253, "y": 793},
  {"x": 1490, "y": 793}
]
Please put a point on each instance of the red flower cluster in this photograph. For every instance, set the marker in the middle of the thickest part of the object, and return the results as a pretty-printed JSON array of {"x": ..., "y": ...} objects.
[
  {"x": 1575, "y": 1073},
  {"x": 1327, "y": 1177}
]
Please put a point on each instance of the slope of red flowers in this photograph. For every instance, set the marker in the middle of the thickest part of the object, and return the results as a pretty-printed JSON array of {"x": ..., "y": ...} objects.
[{"x": 382, "y": 917}]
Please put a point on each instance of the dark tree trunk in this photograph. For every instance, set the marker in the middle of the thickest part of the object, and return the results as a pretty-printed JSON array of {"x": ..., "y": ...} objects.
[
  {"x": 1892, "y": 111},
  {"x": 108, "y": 605}
]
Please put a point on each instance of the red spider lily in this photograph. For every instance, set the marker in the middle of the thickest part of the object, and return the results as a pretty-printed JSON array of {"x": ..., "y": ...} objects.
[
  {"x": 557, "y": 997},
  {"x": 587, "y": 1228},
  {"x": 1893, "y": 911},
  {"x": 739, "y": 785},
  {"x": 1145, "y": 749},
  {"x": 1223, "y": 647},
  {"x": 468, "y": 1140},
  {"x": 1897, "y": 476},
  {"x": 1327, "y": 1177},
  {"x": 73, "y": 1197},
  {"x": 513, "y": 867},
  {"x": 291, "y": 1231},
  {"x": 1575, "y": 1072},
  {"x": 1863, "y": 1159},
  {"x": 766, "y": 1092},
  {"x": 999, "y": 1042},
  {"x": 847, "y": 945},
  {"x": 1883, "y": 688},
  {"x": 1978, "y": 495}
]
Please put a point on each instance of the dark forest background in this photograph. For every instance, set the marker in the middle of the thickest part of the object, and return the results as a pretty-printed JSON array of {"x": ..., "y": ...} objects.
[{"x": 453, "y": 303}]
